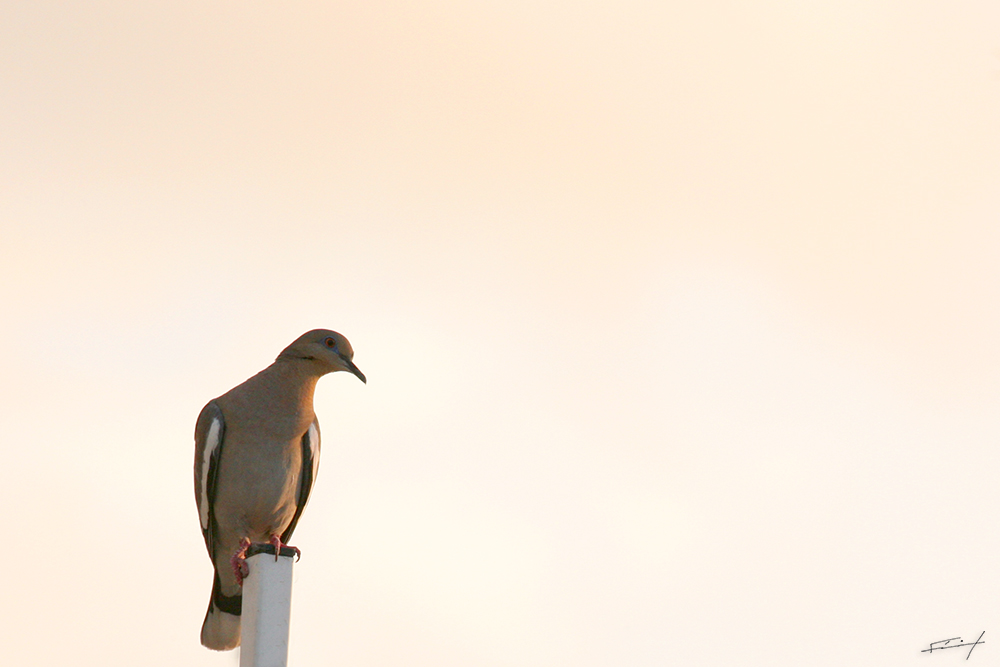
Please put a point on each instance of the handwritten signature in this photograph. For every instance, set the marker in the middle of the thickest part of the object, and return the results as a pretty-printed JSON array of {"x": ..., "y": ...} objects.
[{"x": 947, "y": 643}]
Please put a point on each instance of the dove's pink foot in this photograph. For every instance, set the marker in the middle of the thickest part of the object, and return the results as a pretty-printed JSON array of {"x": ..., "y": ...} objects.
[
  {"x": 276, "y": 541},
  {"x": 239, "y": 561}
]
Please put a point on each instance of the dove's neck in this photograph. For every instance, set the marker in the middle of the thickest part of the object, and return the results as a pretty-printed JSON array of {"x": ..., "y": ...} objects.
[{"x": 294, "y": 380}]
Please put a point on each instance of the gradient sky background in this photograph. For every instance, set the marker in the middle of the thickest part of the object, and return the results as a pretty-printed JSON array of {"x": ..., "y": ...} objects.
[{"x": 680, "y": 323}]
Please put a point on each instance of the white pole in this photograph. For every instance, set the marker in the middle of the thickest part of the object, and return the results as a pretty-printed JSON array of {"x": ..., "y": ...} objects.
[{"x": 267, "y": 601}]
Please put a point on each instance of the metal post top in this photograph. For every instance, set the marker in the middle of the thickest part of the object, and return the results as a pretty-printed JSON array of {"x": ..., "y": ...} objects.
[
  {"x": 266, "y": 608},
  {"x": 266, "y": 548}
]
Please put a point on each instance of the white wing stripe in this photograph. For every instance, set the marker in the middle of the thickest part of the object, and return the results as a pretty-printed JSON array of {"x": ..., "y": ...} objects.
[
  {"x": 211, "y": 444},
  {"x": 314, "y": 449}
]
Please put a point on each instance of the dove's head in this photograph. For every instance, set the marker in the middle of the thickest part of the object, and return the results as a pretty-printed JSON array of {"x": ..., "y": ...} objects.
[{"x": 327, "y": 348}]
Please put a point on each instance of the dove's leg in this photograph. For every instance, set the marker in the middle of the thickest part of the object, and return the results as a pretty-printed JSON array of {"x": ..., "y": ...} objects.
[
  {"x": 276, "y": 541},
  {"x": 239, "y": 561}
]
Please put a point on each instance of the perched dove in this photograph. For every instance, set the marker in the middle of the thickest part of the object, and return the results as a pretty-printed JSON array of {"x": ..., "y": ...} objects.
[{"x": 255, "y": 461}]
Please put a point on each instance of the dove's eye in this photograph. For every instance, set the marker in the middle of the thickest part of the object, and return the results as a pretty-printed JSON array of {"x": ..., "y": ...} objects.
[{"x": 330, "y": 343}]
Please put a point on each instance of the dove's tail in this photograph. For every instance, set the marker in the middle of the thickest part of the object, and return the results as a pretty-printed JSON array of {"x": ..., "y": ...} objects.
[{"x": 221, "y": 629}]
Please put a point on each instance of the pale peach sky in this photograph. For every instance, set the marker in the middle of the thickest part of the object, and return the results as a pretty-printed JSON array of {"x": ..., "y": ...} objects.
[{"x": 680, "y": 323}]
